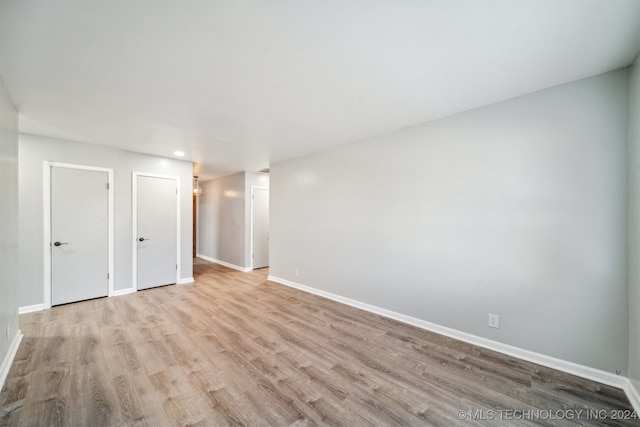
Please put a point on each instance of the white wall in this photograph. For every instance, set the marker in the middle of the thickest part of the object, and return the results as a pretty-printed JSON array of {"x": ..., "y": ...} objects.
[
  {"x": 224, "y": 222},
  {"x": 634, "y": 226},
  {"x": 8, "y": 228},
  {"x": 517, "y": 209},
  {"x": 35, "y": 150}
]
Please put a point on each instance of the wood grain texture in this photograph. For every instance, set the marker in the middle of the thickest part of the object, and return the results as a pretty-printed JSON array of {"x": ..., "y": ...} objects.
[{"x": 235, "y": 349}]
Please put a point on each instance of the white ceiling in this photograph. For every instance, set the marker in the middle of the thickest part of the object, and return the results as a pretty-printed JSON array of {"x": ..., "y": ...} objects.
[{"x": 241, "y": 85}]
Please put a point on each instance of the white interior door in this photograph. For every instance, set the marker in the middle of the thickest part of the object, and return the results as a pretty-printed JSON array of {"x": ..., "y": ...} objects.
[
  {"x": 79, "y": 235},
  {"x": 156, "y": 240},
  {"x": 260, "y": 227}
]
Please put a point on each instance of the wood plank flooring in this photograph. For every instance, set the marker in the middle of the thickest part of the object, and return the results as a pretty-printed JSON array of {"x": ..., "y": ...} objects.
[{"x": 235, "y": 349}]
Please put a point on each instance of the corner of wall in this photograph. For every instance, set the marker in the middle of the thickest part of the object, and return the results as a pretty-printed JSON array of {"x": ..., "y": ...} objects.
[
  {"x": 9, "y": 238},
  {"x": 634, "y": 228}
]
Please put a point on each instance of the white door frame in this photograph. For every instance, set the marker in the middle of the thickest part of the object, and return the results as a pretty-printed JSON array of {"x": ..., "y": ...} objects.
[
  {"x": 134, "y": 207},
  {"x": 47, "y": 222},
  {"x": 254, "y": 187}
]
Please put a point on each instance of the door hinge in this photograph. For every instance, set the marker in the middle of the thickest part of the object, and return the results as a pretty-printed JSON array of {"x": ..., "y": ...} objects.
[
  {"x": 176, "y": 191},
  {"x": 176, "y": 266},
  {"x": 107, "y": 276},
  {"x": 107, "y": 185}
]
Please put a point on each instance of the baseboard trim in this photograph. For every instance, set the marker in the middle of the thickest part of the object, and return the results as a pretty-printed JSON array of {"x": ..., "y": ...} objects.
[
  {"x": 633, "y": 394},
  {"x": 30, "y": 308},
  {"x": 8, "y": 359},
  {"x": 589, "y": 373},
  {"x": 125, "y": 291},
  {"x": 186, "y": 280},
  {"x": 226, "y": 264}
]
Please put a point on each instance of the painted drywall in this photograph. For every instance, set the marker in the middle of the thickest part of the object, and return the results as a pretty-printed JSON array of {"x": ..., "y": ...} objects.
[
  {"x": 34, "y": 151},
  {"x": 517, "y": 209},
  {"x": 221, "y": 230},
  {"x": 224, "y": 221},
  {"x": 634, "y": 225},
  {"x": 8, "y": 224}
]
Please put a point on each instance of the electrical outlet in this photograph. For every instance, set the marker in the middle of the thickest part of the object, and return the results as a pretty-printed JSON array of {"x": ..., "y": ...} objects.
[
  {"x": 494, "y": 321},
  {"x": 297, "y": 272},
  {"x": 7, "y": 331}
]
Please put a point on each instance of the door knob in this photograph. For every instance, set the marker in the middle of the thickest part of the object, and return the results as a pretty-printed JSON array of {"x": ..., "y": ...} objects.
[
  {"x": 60, "y": 243},
  {"x": 142, "y": 239}
]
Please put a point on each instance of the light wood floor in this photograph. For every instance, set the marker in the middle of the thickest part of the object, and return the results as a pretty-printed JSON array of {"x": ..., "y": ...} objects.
[{"x": 234, "y": 349}]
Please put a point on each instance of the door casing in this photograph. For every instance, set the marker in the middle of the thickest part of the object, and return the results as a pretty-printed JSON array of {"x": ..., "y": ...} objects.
[
  {"x": 253, "y": 188},
  {"x": 47, "y": 166}
]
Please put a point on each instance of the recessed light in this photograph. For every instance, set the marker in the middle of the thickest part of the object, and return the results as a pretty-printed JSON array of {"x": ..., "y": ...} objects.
[{"x": 178, "y": 153}]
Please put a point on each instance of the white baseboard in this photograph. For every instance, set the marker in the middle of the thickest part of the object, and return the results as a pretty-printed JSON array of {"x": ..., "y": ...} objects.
[
  {"x": 226, "y": 264},
  {"x": 530, "y": 356},
  {"x": 186, "y": 280},
  {"x": 30, "y": 308},
  {"x": 120, "y": 292},
  {"x": 8, "y": 359},
  {"x": 633, "y": 394}
]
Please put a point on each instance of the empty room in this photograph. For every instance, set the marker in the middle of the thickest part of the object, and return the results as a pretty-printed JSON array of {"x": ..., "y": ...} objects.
[{"x": 275, "y": 213}]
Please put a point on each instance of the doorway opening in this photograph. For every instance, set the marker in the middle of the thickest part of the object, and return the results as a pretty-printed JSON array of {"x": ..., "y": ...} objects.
[{"x": 259, "y": 227}]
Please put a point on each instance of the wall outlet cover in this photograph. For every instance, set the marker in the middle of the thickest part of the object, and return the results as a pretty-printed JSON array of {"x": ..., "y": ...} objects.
[{"x": 494, "y": 320}]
